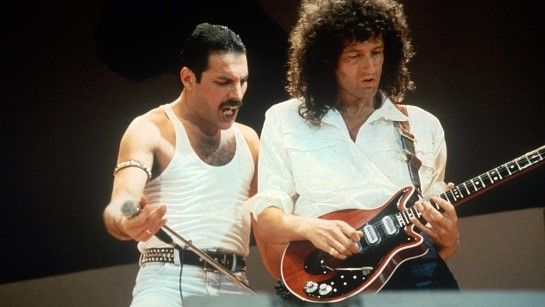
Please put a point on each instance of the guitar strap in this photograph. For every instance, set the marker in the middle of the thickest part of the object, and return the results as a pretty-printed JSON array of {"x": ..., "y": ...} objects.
[{"x": 407, "y": 140}]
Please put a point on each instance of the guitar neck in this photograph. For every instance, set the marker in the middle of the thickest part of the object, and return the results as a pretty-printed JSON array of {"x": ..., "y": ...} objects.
[
  {"x": 484, "y": 182},
  {"x": 494, "y": 177}
]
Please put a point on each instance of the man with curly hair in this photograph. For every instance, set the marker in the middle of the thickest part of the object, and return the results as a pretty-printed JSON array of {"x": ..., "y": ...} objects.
[{"x": 341, "y": 142}]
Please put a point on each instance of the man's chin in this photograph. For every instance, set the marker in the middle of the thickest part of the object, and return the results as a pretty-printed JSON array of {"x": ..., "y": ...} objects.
[{"x": 224, "y": 125}]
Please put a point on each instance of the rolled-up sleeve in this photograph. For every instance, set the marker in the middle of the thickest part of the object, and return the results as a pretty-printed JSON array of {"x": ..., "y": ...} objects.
[{"x": 275, "y": 180}]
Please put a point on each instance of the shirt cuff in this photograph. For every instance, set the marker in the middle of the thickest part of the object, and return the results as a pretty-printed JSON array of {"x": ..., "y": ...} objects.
[{"x": 276, "y": 199}]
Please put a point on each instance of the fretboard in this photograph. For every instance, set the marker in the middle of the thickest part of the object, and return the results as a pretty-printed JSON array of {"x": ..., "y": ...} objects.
[
  {"x": 494, "y": 177},
  {"x": 470, "y": 188}
]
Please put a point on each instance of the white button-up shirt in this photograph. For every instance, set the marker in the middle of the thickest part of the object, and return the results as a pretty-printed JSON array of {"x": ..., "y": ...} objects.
[{"x": 310, "y": 171}]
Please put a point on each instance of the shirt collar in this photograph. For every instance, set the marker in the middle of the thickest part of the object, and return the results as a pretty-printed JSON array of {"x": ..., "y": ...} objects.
[{"x": 387, "y": 111}]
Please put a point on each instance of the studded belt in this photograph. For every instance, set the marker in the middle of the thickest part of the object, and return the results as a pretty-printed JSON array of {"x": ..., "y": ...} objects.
[{"x": 230, "y": 261}]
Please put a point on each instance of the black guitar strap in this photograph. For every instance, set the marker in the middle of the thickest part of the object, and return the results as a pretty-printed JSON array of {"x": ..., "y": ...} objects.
[{"x": 407, "y": 140}]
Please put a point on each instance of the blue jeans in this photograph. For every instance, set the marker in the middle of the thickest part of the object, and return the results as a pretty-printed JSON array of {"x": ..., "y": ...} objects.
[
  {"x": 159, "y": 284},
  {"x": 428, "y": 272}
]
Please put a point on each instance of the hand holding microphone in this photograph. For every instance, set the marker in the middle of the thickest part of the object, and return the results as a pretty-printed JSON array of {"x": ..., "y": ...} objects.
[{"x": 143, "y": 223}]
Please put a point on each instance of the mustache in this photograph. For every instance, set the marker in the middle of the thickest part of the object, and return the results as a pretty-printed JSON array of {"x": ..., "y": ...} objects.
[{"x": 231, "y": 103}]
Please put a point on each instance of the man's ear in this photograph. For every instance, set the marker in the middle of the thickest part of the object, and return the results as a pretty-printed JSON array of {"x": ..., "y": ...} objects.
[{"x": 188, "y": 78}]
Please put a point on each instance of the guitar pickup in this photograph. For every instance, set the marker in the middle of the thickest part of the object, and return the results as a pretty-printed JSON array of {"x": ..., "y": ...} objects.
[
  {"x": 389, "y": 225},
  {"x": 370, "y": 235}
]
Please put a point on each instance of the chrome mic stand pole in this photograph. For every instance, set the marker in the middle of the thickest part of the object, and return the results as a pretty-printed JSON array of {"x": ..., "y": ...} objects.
[{"x": 206, "y": 258}]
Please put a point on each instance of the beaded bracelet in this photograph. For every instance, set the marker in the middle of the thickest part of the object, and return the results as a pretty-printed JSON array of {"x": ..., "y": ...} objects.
[{"x": 132, "y": 163}]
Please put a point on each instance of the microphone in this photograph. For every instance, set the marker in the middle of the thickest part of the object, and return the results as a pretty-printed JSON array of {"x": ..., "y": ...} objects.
[{"x": 131, "y": 208}]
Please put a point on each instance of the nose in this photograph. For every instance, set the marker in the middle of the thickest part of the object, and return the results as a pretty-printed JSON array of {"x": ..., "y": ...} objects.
[
  {"x": 237, "y": 91},
  {"x": 367, "y": 63}
]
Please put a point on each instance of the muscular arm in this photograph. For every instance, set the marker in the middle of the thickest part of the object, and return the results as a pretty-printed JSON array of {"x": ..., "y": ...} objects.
[{"x": 138, "y": 143}]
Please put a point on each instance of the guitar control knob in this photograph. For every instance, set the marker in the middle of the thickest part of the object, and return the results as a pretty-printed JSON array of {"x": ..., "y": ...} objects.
[
  {"x": 310, "y": 287},
  {"x": 324, "y": 289}
]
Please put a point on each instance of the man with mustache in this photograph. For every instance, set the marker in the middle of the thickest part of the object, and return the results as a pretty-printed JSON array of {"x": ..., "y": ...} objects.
[{"x": 190, "y": 165}]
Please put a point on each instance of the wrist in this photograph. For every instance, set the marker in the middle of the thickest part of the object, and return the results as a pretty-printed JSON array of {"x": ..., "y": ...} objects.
[
  {"x": 301, "y": 226},
  {"x": 447, "y": 251},
  {"x": 118, "y": 230}
]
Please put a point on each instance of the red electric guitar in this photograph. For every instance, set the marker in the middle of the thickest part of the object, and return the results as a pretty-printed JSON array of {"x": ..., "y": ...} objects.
[{"x": 389, "y": 240}]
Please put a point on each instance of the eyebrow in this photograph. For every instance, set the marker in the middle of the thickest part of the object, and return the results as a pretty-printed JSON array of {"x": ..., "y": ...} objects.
[
  {"x": 224, "y": 78},
  {"x": 351, "y": 49}
]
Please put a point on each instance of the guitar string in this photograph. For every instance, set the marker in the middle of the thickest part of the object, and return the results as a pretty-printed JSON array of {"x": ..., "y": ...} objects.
[{"x": 460, "y": 187}]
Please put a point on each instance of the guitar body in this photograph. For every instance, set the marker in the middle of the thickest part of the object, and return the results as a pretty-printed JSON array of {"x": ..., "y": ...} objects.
[
  {"x": 313, "y": 275},
  {"x": 389, "y": 239}
]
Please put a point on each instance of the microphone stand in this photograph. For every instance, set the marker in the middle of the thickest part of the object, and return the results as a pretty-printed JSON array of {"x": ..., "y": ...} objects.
[
  {"x": 204, "y": 256},
  {"x": 131, "y": 208}
]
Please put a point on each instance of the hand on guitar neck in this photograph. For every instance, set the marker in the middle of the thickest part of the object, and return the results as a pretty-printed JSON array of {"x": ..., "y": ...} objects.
[{"x": 440, "y": 225}]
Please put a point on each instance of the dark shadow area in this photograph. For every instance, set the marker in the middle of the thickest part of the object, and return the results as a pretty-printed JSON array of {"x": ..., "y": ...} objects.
[{"x": 478, "y": 68}]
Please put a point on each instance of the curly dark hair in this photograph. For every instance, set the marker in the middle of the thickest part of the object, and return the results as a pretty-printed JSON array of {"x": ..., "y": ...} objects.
[{"x": 317, "y": 41}]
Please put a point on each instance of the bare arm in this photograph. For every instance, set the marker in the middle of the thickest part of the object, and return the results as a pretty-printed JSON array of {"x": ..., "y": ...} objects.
[{"x": 137, "y": 143}]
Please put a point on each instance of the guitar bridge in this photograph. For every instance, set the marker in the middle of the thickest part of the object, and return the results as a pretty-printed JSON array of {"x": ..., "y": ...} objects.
[{"x": 365, "y": 269}]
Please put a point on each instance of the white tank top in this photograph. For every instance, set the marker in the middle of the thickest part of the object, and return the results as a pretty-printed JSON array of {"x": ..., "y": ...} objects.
[{"x": 205, "y": 204}]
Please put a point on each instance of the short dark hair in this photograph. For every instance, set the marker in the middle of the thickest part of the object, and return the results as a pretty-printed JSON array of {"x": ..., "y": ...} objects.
[
  {"x": 207, "y": 39},
  {"x": 318, "y": 39}
]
